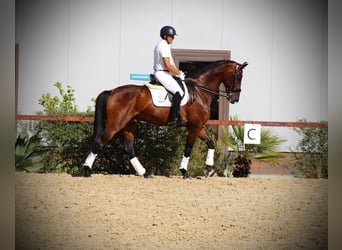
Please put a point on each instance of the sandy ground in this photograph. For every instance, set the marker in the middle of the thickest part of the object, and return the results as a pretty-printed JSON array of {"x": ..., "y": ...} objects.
[{"x": 58, "y": 211}]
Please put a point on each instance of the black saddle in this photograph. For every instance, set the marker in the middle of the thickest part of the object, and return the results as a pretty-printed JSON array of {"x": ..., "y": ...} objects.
[{"x": 154, "y": 80}]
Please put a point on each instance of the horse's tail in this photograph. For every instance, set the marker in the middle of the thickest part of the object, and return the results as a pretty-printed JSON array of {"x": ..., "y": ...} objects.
[{"x": 99, "y": 119}]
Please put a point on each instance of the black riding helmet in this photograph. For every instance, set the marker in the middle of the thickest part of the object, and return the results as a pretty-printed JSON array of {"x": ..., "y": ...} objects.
[{"x": 167, "y": 30}]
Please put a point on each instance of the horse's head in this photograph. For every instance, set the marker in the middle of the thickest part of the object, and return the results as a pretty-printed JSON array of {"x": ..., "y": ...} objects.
[{"x": 232, "y": 81}]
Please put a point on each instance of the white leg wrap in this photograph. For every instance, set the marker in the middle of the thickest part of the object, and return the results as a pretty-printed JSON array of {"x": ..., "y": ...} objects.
[
  {"x": 137, "y": 166},
  {"x": 90, "y": 160},
  {"x": 210, "y": 157},
  {"x": 184, "y": 163}
]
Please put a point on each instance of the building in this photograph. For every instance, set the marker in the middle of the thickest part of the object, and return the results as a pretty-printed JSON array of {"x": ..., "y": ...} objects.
[{"x": 97, "y": 45}]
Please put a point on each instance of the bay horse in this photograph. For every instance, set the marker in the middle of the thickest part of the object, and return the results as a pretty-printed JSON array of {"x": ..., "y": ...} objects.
[{"x": 119, "y": 109}]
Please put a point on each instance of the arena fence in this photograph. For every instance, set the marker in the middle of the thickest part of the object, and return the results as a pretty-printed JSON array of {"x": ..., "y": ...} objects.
[{"x": 210, "y": 122}]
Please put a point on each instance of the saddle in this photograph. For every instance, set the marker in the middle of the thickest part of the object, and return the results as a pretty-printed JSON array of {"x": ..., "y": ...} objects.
[{"x": 160, "y": 96}]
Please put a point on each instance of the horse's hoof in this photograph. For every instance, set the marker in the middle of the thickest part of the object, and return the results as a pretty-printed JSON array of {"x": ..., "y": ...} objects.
[
  {"x": 148, "y": 175},
  {"x": 185, "y": 173},
  {"x": 86, "y": 171},
  {"x": 206, "y": 172}
]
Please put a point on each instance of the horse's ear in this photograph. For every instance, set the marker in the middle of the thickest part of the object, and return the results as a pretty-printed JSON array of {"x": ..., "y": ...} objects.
[{"x": 243, "y": 65}]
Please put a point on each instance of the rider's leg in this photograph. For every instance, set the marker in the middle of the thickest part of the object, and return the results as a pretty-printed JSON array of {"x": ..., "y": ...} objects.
[
  {"x": 166, "y": 79},
  {"x": 175, "y": 117},
  {"x": 172, "y": 86}
]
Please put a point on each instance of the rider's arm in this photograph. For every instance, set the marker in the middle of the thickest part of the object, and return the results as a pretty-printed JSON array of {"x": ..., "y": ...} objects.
[{"x": 172, "y": 69}]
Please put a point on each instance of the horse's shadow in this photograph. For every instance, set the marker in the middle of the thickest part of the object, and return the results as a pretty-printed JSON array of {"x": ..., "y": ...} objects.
[{"x": 123, "y": 170}]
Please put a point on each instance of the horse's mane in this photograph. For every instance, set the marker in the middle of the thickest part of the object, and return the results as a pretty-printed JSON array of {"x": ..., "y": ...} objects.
[{"x": 211, "y": 66}]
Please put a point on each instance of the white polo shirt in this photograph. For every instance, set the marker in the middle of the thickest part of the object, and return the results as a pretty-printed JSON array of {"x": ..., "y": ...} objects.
[{"x": 161, "y": 50}]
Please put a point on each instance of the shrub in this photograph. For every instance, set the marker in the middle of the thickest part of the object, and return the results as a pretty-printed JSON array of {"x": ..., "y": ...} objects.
[
  {"x": 66, "y": 140},
  {"x": 160, "y": 149},
  {"x": 28, "y": 154},
  {"x": 312, "y": 151}
]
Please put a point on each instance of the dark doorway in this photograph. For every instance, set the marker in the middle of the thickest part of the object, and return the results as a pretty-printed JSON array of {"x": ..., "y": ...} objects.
[{"x": 190, "y": 68}]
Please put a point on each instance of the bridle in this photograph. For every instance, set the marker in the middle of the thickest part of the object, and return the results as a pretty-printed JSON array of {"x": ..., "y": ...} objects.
[
  {"x": 227, "y": 93},
  {"x": 233, "y": 89}
]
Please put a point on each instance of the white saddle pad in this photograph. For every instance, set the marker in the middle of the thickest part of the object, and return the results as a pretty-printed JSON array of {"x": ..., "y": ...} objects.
[{"x": 161, "y": 98}]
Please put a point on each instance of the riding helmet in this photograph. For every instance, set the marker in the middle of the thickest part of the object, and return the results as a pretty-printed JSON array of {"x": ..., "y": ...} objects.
[{"x": 167, "y": 30}]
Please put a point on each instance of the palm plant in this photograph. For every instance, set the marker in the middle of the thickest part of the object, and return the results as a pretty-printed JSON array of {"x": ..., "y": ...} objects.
[
  {"x": 267, "y": 151},
  {"x": 28, "y": 157}
]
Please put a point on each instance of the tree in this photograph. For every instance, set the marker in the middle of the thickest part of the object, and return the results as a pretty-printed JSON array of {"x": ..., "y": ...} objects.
[{"x": 312, "y": 151}]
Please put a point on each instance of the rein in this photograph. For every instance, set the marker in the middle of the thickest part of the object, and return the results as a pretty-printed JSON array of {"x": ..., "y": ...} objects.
[
  {"x": 227, "y": 93},
  {"x": 222, "y": 93},
  {"x": 219, "y": 93}
]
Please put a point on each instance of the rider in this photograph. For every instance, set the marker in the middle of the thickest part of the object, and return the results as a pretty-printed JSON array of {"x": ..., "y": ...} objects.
[{"x": 165, "y": 69}]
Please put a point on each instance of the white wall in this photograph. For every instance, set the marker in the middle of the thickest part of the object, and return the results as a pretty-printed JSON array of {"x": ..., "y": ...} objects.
[
  {"x": 95, "y": 45},
  {"x": 42, "y": 34}
]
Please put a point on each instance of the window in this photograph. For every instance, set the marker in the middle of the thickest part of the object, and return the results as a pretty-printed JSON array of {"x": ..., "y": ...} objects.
[{"x": 189, "y": 60}]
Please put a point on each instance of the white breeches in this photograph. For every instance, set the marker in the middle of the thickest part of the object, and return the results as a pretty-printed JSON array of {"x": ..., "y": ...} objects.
[{"x": 168, "y": 82}]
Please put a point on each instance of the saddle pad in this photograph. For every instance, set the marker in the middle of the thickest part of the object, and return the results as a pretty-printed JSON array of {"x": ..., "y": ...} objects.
[
  {"x": 154, "y": 86},
  {"x": 161, "y": 98}
]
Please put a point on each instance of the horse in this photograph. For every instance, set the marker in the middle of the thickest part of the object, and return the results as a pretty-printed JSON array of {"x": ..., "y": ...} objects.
[{"x": 119, "y": 109}]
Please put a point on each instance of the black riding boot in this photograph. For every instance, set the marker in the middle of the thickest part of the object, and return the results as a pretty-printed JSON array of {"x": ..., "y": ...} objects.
[{"x": 175, "y": 118}]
